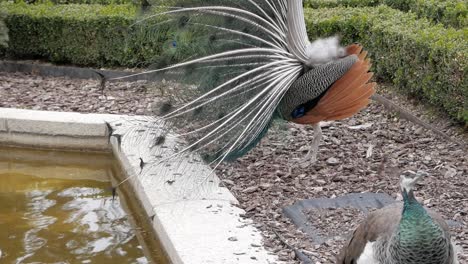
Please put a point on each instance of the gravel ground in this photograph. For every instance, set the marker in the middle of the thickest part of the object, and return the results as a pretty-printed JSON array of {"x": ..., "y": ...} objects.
[{"x": 360, "y": 154}]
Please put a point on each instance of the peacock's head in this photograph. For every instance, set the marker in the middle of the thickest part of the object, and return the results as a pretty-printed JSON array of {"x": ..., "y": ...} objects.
[{"x": 409, "y": 178}]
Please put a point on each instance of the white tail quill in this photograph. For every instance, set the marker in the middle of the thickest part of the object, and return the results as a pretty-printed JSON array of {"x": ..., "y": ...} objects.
[{"x": 297, "y": 32}]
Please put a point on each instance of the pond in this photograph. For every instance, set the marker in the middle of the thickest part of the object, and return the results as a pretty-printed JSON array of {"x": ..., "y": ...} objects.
[{"x": 58, "y": 207}]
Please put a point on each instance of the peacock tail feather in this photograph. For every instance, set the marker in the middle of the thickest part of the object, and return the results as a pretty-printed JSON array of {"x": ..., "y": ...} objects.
[
  {"x": 241, "y": 64},
  {"x": 233, "y": 61}
]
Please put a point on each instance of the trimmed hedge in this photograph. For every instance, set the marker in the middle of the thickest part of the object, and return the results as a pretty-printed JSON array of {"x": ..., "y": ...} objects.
[
  {"x": 340, "y": 3},
  {"x": 3, "y": 31},
  {"x": 424, "y": 60},
  {"x": 93, "y": 35},
  {"x": 64, "y": 2},
  {"x": 448, "y": 12}
]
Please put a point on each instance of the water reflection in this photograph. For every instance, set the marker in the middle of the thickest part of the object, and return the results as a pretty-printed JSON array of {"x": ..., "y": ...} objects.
[{"x": 63, "y": 221}]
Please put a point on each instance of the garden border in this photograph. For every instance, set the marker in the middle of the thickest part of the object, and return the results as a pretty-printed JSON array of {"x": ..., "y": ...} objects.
[{"x": 423, "y": 60}]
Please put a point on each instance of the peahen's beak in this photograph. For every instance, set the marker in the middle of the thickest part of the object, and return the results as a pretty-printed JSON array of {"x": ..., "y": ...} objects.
[{"x": 409, "y": 179}]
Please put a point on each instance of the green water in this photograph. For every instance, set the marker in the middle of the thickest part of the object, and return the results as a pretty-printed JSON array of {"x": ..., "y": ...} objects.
[{"x": 58, "y": 208}]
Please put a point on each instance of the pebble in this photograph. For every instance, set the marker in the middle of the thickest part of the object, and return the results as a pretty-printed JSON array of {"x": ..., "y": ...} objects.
[{"x": 333, "y": 161}]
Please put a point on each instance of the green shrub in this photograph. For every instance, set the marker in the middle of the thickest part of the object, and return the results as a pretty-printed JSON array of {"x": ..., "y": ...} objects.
[
  {"x": 3, "y": 31},
  {"x": 62, "y": 2},
  {"x": 449, "y": 12},
  {"x": 93, "y": 35},
  {"x": 424, "y": 60},
  {"x": 340, "y": 3}
]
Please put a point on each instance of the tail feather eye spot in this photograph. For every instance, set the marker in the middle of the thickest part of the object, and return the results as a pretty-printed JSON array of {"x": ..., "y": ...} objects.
[
  {"x": 198, "y": 111},
  {"x": 160, "y": 140},
  {"x": 221, "y": 115},
  {"x": 183, "y": 21},
  {"x": 165, "y": 108}
]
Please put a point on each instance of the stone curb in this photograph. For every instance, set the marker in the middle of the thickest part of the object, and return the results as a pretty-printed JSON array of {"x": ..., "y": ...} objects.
[
  {"x": 196, "y": 220},
  {"x": 47, "y": 69}
]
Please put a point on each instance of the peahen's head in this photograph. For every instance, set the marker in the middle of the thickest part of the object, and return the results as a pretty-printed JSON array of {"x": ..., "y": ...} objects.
[{"x": 409, "y": 178}]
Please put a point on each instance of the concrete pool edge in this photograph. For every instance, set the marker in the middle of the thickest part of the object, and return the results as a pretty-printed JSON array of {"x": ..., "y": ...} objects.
[{"x": 206, "y": 229}]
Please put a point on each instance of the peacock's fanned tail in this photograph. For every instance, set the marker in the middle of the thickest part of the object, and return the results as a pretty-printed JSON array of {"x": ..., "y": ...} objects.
[
  {"x": 234, "y": 66},
  {"x": 236, "y": 61}
]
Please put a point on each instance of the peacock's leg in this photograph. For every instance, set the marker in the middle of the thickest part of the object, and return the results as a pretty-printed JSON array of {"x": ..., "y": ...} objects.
[{"x": 311, "y": 156}]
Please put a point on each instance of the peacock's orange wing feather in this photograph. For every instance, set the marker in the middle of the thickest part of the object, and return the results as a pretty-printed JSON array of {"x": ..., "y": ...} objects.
[{"x": 348, "y": 95}]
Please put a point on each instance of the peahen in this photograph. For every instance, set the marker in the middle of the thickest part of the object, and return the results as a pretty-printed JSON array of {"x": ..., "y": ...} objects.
[
  {"x": 401, "y": 233},
  {"x": 245, "y": 63}
]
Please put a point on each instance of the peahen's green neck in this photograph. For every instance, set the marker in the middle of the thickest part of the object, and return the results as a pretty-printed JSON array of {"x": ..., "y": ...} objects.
[
  {"x": 414, "y": 217},
  {"x": 418, "y": 239},
  {"x": 412, "y": 209}
]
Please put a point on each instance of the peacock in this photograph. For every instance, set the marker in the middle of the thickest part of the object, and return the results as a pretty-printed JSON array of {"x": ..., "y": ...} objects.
[
  {"x": 240, "y": 65},
  {"x": 404, "y": 233}
]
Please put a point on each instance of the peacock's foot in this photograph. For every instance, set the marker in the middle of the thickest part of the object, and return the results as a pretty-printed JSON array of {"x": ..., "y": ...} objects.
[
  {"x": 308, "y": 160},
  {"x": 311, "y": 156}
]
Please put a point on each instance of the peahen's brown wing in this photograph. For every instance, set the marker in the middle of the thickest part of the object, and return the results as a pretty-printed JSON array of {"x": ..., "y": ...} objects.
[
  {"x": 381, "y": 224},
  {"x": 378, "y": 223}
]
